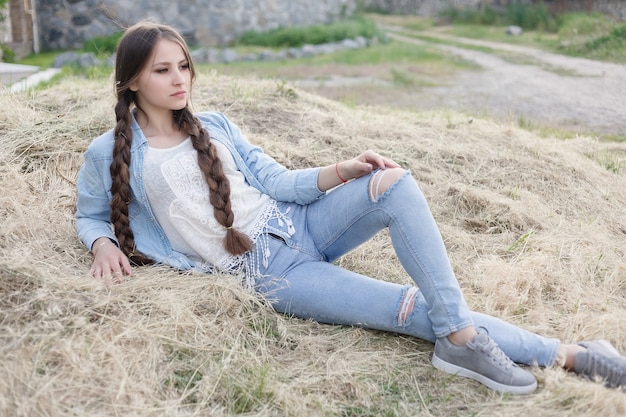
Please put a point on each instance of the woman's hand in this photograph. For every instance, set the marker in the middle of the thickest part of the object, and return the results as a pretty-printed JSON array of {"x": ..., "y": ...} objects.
[
  {"x": 363, "y": 164},
  {"x": 109, "y": 262},
  {"x": 368, "y": 161}
]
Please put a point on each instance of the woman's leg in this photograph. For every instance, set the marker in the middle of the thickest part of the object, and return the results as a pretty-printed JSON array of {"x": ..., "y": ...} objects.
[
  {"x": 300, "y": 281},
  {"x": 347, "y": 217},
  {"x": 330, "y": 294},
  {"x": 355, "y": 212}
]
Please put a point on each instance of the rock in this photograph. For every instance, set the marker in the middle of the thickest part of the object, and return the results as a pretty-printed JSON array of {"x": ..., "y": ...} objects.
[
  {"x": 228, "y": 55},
  {"x": 514, "y": 30},
  {"x": 65, "y": 58},
  {"x": 87, "y": 60},
  {"x": 84, "y": 60}
]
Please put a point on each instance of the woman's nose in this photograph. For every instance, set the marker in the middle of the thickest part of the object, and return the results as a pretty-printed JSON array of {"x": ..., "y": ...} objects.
[{"x": 178, "y": 77}]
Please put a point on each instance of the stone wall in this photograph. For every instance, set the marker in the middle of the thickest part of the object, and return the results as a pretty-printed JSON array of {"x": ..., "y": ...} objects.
[{"x": 66, "y": 24}]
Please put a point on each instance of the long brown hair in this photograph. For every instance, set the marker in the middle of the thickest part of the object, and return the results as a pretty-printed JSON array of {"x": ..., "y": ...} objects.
[{"x": 134, "y": 50}]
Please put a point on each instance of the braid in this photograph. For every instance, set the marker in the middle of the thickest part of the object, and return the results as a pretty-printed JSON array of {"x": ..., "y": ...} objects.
[
  {"x": 235, "y": 242},
  {"x": 120, "y": 188}
]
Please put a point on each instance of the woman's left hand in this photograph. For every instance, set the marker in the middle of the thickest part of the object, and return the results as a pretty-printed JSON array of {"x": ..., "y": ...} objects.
[{"x": 363, "y": 164}]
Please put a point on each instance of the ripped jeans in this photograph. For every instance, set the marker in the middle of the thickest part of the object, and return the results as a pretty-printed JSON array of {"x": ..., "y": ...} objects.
[{"x": 301, "y": 280}]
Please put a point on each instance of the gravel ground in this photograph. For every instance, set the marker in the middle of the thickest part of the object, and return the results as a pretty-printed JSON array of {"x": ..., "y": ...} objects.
[
  {"x": 522, "y": 84},
  {"x": 578, "y": 94}
]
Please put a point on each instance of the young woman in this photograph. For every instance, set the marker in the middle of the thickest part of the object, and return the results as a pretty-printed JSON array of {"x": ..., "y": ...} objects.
[{"x": 188, "y": 190}]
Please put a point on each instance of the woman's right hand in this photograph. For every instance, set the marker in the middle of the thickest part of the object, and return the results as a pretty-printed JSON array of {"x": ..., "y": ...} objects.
[{"x": 110, "y": 264}]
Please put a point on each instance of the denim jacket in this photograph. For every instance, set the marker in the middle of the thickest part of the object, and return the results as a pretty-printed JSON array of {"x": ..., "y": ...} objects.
[{"x": 94, "y": 187}]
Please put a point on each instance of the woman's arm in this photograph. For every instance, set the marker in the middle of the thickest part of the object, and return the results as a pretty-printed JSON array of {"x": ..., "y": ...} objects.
[
  {"x": 332, "y": 175},
  {"x": 92, "y": 206},
  {"x": 92, "y": 221}
]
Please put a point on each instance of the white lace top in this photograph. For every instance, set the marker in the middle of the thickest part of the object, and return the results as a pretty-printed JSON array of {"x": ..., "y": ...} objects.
[{"x": 179, "y": 198}]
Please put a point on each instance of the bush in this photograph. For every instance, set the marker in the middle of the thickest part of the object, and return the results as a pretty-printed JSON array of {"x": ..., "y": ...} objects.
[
  {"x": 593, "y": 36},
  {"x": 609, "y": 46},
  {"x": 583, "y": 24},
  {"x": 531, "y": 16},
  {"x": 527, "y": 16},
  {"x": 7, "y": 53},
  {"x": 483, "y": 16},
  {"x": 313, "y": 35},
  {"x": 102, "y": 44}
]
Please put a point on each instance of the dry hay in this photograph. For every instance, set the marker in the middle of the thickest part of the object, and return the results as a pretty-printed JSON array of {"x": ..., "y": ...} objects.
[{"x": 535, "y": 228}]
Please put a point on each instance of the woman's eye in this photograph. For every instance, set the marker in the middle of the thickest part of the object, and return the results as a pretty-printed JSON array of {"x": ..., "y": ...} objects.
[
  {"x": 161, "y": 70},
  {"x": 184, "y": 67}
]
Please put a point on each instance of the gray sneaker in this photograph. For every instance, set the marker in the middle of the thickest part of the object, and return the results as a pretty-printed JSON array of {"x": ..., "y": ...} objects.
[
  {"x": 600, "y": 345},
  {"x": 482, "y": 360},
  {"x": 601, "y": 361}
]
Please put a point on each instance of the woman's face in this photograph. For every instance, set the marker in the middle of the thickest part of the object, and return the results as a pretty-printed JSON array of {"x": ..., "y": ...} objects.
[{"x": 165, "y": 81}]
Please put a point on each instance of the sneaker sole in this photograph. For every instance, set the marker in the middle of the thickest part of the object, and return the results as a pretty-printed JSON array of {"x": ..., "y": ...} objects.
[{"x": 490, "y": 383}]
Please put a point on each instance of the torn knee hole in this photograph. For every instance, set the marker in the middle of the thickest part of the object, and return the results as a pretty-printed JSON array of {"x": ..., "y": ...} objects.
[
  {"x": 406, "y": 305},
  {"x": 380, "y": 181}
]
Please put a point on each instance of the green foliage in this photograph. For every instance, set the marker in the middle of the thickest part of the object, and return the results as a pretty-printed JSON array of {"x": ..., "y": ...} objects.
[
  {"x": 593, "y": 36},
  {"x": 372, "y": 8},
  {"x": 3, "y": 4},
  {"x": 527, "y": 16},
  {"x": 609, "y": 45},
  {"x": 531, "y": 16},
  {"x": 484, "y": 15},
  {"x": 284, "y": 90},
  {"x": 102, "y": 44},
  {"x": 312, "y": 35},
  {"x": 582, "y": 24},
  {"x": 7, "y": 53}
]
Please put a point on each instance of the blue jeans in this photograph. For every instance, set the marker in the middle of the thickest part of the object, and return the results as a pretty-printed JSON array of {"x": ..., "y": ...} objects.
[{"x": 300, "y": 278}]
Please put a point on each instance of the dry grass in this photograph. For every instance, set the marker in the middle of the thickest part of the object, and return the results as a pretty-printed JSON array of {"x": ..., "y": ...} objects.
[{"x": 535, "y": 228}]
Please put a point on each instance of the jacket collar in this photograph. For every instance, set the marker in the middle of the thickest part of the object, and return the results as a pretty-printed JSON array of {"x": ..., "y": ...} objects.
[{"x": 139, "y": 139}]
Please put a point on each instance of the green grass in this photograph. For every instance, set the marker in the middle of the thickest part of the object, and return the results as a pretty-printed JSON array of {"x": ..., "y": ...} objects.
[
  {"x": 583, "y": 24},
  {"x": 609, "y": 47},
  {"x": 587, "y": 35},
  {"x": 537, "y": 39},
  {"x": 384, "y": 53},
  {"x": 381, "y": 54},
  {"x": 42, "y": 60}
]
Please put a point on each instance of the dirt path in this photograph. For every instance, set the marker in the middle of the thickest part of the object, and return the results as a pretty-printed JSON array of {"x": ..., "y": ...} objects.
[{"x": 535, "y": 86}]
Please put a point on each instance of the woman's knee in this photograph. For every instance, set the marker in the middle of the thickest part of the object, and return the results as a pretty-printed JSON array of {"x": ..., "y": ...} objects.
[{"x": 382, "y": 180}]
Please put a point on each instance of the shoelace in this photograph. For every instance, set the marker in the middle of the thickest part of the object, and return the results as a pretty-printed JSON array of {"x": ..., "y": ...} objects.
[
  {"x": 495, "y": 354},
  {"x": 600, "y": 366}
]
